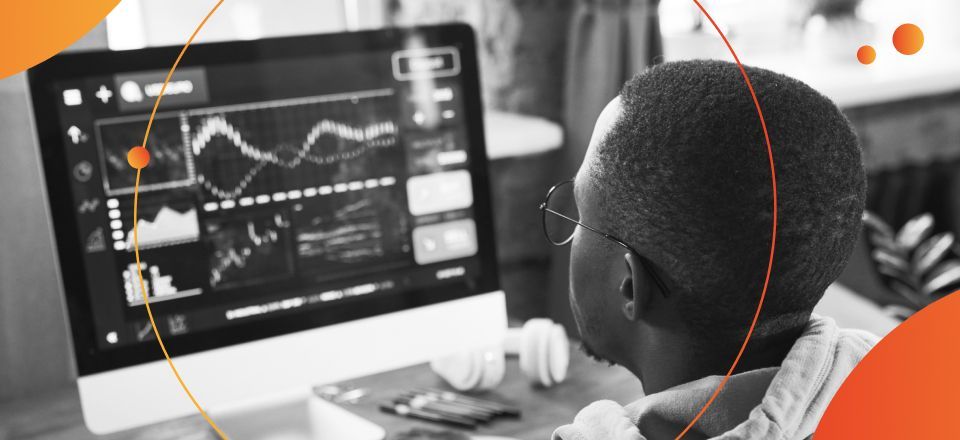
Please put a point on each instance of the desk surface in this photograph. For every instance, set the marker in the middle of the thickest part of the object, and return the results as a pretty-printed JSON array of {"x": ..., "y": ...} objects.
[{"x": 57, "y": 415}]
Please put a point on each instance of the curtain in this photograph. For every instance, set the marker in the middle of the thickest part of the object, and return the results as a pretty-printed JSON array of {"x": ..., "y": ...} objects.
[{"x": 610, "y": 41}]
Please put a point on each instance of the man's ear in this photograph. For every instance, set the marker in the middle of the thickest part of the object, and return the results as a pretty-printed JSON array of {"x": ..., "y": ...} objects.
[{"x": 636, "y": 289}]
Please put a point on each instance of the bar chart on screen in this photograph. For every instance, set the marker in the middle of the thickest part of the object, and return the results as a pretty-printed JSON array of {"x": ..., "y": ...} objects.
[{"x": 161, "y": 283}]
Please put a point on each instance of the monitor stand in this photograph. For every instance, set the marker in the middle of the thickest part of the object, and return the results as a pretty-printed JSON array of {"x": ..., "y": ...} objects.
[{"x": 298, "y": 418}]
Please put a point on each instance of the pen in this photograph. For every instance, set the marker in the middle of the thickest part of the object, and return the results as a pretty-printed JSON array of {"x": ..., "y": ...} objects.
[
  {"x": 435, "y": 397},
  {"x": 445, "y": 408},
  {"x": 406, "y": 411},
  {"x": 506, "y": 410}
]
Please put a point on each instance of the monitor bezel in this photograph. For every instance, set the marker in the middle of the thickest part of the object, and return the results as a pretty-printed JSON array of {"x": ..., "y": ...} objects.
[{"x": 89, "y": 358}]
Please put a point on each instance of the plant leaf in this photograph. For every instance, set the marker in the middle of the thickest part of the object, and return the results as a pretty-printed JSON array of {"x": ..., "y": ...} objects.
[
  {"x": 915, "y": 230},
  {"x": 931, "y": 251},
  {"x": 944, "y": 275},
  {"x": 876, "y": 224},
  {"x": 907, "y": 292},
  {"x": 888, "y": 244},
  {"x": 893, "y": 275},
  {"x": 898, "y": 311},
  {"x": 883, "y": 257}
]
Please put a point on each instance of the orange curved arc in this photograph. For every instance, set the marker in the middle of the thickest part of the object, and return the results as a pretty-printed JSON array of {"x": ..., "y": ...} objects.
[
  {"x": 136, "y": 243},
  {"x": 773, "y": 238}
]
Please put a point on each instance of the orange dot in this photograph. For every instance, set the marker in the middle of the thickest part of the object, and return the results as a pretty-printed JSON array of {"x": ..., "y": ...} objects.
[
  {"x": 866, "y": 54},
  {"x": 908, "y": 39},
  {"x": 138, "y": 157}
]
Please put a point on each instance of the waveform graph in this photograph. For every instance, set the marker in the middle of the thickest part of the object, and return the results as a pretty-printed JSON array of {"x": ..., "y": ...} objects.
[
  {"x": 165, "y": 219},
  {"x": 171, "y": 164},
  {"x": 249, "y": 248},
  {"x": 351, "y": 232},
  {"x": 274, "y": 147},
  {"x": 168, "y": 274}
]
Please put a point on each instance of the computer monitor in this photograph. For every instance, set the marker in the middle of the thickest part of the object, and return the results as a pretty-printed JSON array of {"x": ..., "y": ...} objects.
[{"x": 315, "y": 208}]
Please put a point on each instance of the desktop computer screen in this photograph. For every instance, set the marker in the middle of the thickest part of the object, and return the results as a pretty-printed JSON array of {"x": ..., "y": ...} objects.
[{"x": 294, "y": 183}]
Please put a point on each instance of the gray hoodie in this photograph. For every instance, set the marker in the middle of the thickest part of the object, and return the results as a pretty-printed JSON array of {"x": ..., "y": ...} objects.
[{"x": 784, "y": 402}]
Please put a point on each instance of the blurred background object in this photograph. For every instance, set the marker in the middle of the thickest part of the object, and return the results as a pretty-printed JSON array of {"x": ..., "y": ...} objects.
[{"x": 833, "y": 29}]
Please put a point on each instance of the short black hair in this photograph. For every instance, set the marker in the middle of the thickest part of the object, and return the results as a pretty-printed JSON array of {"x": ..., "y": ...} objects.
[{"x": 685, "y": 177}]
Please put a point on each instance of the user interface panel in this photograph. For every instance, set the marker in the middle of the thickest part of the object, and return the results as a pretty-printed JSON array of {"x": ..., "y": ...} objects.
[{"x": 329, "y": 185}]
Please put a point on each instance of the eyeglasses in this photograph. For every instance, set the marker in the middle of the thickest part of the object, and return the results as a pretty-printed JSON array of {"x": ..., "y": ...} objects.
[{"x": 560, "y": 218}]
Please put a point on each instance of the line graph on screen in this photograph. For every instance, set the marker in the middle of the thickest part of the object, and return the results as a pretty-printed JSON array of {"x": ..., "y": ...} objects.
[
  {"x": 264, "y": 148},
  {"x": 248, "y": 249},
  {"x": 171, "y": 164},
  {"x": 165, "y": 219}
]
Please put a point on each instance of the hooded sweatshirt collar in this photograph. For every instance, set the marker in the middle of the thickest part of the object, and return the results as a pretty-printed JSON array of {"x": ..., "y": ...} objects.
[{"x": 784, "y": 402}]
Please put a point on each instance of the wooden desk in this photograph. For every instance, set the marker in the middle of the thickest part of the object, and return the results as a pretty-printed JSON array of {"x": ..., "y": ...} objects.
[{"x": 57, "y": 415}]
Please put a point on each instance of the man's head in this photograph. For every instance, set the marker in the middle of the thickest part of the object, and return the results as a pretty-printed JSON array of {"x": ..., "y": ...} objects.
[{"x": 678, "y": 168}]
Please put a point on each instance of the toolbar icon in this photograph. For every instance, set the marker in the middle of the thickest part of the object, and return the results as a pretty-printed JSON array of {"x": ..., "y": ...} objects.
[
  {"x": 83, "y": 171},
  {"x": 144, "y": 331},
  {"x": 177, "y": 324},
  {"x": 88, "y": 206},
  {"x": 76, "y": 135},
  {"x": 103, "y": 94},
  {"x": 130, "y": 92},
  {"x": 96, "y": 242},
  {"x": 72, "y": 97}
]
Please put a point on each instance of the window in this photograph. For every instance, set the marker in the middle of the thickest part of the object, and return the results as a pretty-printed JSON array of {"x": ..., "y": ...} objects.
[{"x": 142, "y": 23}]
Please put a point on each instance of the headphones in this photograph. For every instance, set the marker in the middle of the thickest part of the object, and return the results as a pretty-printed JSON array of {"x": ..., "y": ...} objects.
[{"x": 541, "y": 345}]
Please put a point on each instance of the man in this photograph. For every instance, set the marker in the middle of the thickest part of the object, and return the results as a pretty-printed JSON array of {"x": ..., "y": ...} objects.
[{"x": 677, "y": 174}]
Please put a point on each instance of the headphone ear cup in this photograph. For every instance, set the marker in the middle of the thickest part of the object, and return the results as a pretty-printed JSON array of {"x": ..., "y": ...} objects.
[
  {"x": 559, "y": 356},
  {"x": 533, "y": 351},
  {"x": 544, "y": 352},
  {"x": 494, "y": 367},
  {"x": 542, "y": 346},
  {"x": 526, "y": 349},
  {"x": 461, "y": 371}
]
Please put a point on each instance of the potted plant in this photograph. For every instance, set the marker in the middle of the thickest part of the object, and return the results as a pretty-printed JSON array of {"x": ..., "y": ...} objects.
[{"x": 914, "y": 262}]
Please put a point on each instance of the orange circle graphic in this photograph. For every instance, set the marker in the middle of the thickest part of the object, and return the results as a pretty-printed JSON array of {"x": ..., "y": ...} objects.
[
  {"x": 866, "y": 54},
  {"x": 908, "y": 39},
  {"x": 138, "y": 157}
]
